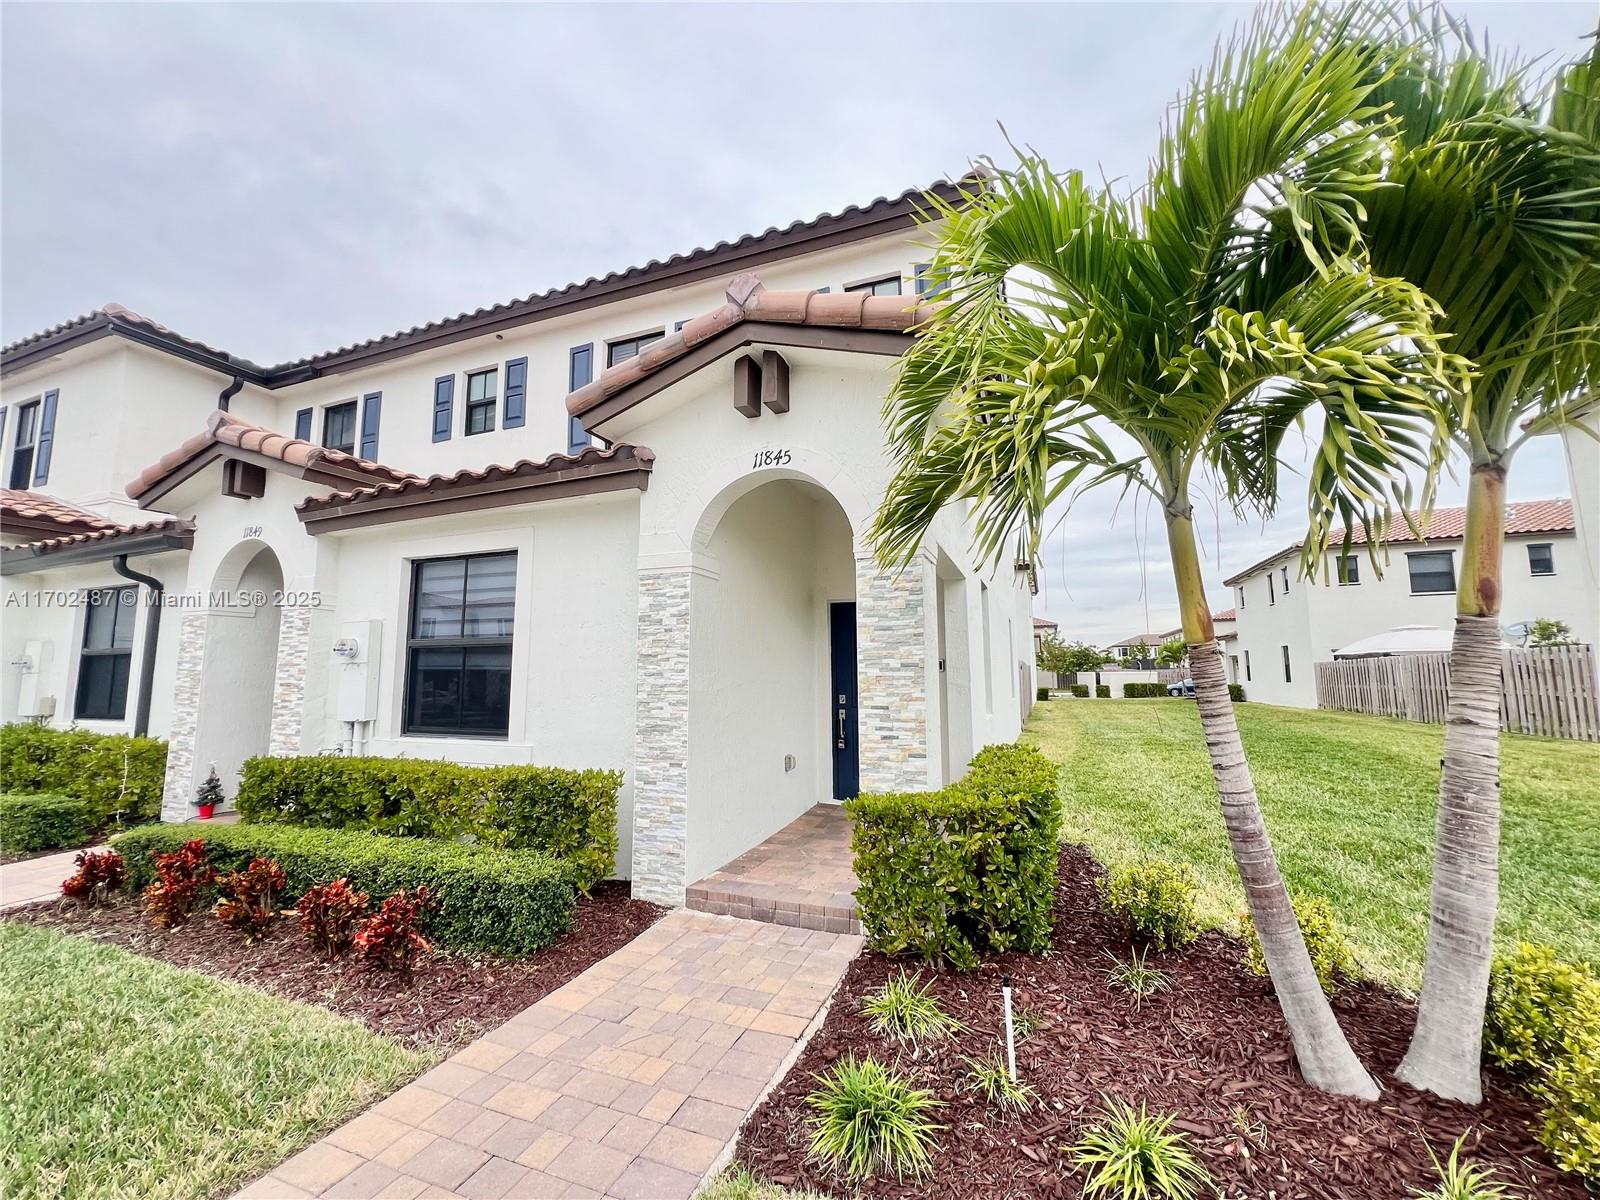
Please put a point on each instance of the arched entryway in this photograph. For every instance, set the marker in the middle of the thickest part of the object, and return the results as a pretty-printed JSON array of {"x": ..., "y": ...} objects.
[
  {"x": 239, "y": 666},
  {"x": 773, "y": 727}
]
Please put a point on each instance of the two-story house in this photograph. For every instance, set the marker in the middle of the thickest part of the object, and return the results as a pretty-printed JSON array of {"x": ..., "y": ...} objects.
[
  {"x": 622, "y": 523},
  {"x": 1286, "y": 623}
]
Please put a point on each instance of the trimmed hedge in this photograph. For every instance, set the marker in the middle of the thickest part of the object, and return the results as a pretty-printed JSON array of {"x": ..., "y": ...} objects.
[
  {"x": 1102, "y": 691},
  {"x": 1044, "y": 694},
  {"x": 42, "y": 822},
  {"x": 1080, "y": 690},
  {"x": 111, "y": 772},
  {"x": 1143, "y": 691},
  {"x": 511, "y": 902},
  {"x": 969, "y": 870},
  {"x": 1236, "y": 692},
  {"x": 569, "y": 814}
]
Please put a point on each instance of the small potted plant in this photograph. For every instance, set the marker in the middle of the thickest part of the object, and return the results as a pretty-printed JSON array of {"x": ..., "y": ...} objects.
[{"x": 209, "y": 796}]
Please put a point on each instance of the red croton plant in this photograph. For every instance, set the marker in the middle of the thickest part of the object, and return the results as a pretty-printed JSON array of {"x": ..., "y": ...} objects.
[
  {"x": 391, "y": 938},
  {"x": 329, "y": 913},
  {"x": 180, "y": 876},
  {"x": 249, "y": 902},
  {"x": 100, "y": 872}
]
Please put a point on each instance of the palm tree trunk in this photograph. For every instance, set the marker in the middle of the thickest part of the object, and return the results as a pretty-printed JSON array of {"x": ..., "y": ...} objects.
[
  {"x": 1445, "y": 1050},
  {"x": 1326, "y": 1060}
]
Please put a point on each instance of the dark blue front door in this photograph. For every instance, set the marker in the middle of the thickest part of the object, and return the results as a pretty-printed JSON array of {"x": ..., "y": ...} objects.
[{"x": 842, "y": 707}]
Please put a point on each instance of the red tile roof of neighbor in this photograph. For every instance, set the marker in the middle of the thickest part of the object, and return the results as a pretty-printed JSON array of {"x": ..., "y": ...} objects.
[
  {"x": 225, "y": 429},
  {"x": 1226, "y": 614},
  {"x": 749, "y": 300},
  {"x": 1041, "y": 623},
  {"x": 852, "y": 223},
  {"x": 1523, "y": 516}
]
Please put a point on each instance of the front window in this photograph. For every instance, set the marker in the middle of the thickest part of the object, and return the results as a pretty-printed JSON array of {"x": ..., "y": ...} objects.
[
  {"x": 339, "y": 427},
  {"x": 629, "y": 347},
  {"x": 480, "y": 402},
  {"x": 1542, "y": 558},
  {"x": 1285, "y": 577},
  {"x": 1286, "y": 676},
  {"x": 27, "y": 439},
  {"x": 1349, "y": 569},
  {"x": 1433, "y": 572},
  {"x": 107, "y": 655},
  {"x": 458, "y": 670},
  {"x": 889, "y": 285}
]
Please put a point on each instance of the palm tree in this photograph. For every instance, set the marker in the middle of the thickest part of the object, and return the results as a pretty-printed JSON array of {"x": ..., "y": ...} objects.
[
  {"x": 1493, "y": 209},
  {"x": 1203, "y": 331}
]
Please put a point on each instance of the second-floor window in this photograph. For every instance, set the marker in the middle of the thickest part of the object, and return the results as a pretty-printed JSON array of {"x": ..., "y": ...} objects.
[
  {"x": 23, "y": 447},
  {"x": 107, "y": 655},
  {"x": 628, "y": 348},
  {"x": 1272, "y": 595},
  {"x": 480, "y": 402},
  {"x": 1432, "y": 572},
  {"x": 1284, "y": 575},
  {"x": 458, "y": 654},
  {"x": 1287, "y": 678},
  {"x": 339, "y": 427},
  {"x": 1349, "y": 569},
  {"x": 1542, "y": 558},
  {"x": 889, "y": 285}
]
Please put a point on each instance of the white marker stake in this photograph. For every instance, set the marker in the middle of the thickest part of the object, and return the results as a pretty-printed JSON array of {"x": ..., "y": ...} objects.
[{"x": 1011, "y": 1041}]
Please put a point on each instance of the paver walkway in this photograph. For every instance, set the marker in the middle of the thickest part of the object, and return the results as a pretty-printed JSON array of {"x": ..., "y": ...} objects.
[
  {"x": 36, "y": 879},
  {"x": 803, "y": 875},
  {"x": 626, "y": 1082}
]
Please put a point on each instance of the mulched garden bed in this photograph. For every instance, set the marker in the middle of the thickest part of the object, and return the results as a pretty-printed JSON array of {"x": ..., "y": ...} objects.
[
  {"x": 452, "y": 999},
  {"x": 1210, "y": 1051}
]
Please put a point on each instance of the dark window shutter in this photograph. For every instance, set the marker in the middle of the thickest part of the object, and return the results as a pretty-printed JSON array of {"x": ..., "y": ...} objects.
[
  {"x": 444, "y": 395},
  {"x": 580, "y": 370},
  {"x": 516, "y": 393},
  {"x": 371, "y": 415},
  {"x": 46, "y": 439},
  {"x": 302, "y": 424},
  {"x": 2, "y": 425}
]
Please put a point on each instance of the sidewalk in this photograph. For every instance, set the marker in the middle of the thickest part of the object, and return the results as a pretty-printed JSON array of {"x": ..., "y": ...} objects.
[
  {"x": 36, "y": 879},
  {"x": 628, "y": 1082}
]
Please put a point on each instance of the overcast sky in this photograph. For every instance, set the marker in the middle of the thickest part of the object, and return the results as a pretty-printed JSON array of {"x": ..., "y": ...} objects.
[{"x": 278, "y": 179}]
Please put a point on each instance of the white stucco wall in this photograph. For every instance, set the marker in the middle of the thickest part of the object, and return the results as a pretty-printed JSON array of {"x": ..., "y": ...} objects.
[{"x": 1317, "y": 617}]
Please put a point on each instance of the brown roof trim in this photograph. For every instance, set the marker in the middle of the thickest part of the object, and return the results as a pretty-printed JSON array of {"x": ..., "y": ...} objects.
[
  {"x": 561, "y": 476},
  {"x": 849, "y": 321},
  {"x": 1523, "y": 517},
  {"x": 824, "y": 231},
  {"x": 228, "y": 436},
  {"x": 150, "y": 537}
]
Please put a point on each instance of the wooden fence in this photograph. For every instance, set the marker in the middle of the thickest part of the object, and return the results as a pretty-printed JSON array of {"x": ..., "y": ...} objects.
[{"x": 1545, "y": 690}]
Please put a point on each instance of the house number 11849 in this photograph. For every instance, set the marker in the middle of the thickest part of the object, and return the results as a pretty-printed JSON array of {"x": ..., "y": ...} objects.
[{"x": 770, "y": 458}]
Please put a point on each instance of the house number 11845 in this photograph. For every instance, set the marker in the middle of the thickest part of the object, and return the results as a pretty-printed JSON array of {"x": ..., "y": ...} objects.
[{"x": 770, "y": 458}]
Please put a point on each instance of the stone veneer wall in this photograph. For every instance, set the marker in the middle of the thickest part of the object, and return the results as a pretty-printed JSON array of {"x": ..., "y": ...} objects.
[
  {"x": 891, "y": 667},
  {"x": 289, "y": 680},
  {"x": 661, "y": 738},
  {"x": 176, "y": 792}
]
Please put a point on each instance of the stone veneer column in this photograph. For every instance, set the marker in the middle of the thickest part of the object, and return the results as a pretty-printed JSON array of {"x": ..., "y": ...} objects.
[
  {"x": 891, "y": 669},
  {"x": 176, "y": 790},
  {"x": 661, "y": 737},
  {"x": 289, "y": 680}
]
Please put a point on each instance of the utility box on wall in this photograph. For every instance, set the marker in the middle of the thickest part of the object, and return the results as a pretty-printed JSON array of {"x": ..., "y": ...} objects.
[
  {"x": 32, "y": 668},
  {"x": 355, "y": 653}
]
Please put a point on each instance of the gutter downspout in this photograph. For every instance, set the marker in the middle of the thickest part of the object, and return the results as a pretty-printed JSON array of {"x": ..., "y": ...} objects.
[
  {"x": 229, "y": 392},
  {"x": 147, "y": 659}
]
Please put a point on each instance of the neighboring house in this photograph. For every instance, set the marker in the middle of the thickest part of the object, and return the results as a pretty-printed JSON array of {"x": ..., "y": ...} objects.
[
  {"x": 1286, "y": 624},
  {"x": 620, "y": 524},
  {"x": 1041, "y": 630},
  {"x": 1123, "y": 653}
]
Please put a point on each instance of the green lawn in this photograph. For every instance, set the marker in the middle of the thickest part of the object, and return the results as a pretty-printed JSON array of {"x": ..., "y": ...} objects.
[
  {"x": 1350, "y": 804},
  {"x": 123, "y": 1076}
]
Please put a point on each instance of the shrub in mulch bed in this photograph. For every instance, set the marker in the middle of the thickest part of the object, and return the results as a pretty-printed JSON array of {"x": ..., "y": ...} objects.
[
  {"x": 1211, "y": 1051},
  {"x": 452, "y": 998}
]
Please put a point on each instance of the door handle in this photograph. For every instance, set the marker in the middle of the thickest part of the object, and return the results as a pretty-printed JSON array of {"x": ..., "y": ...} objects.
[{"x": 841, "y": 729}]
